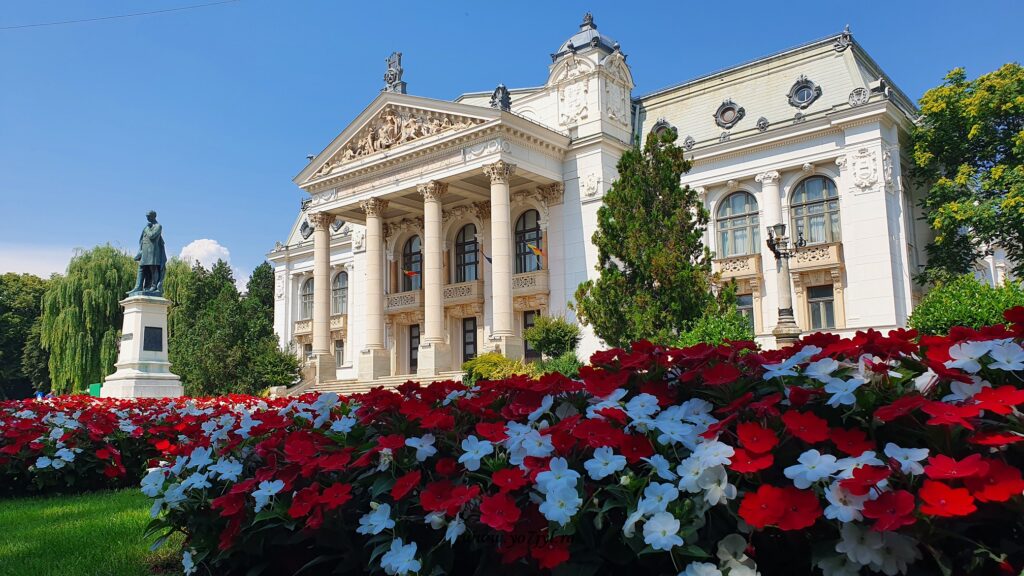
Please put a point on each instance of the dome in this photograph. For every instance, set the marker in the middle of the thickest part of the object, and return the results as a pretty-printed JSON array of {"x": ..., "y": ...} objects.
[{"x": 588, "y": 36}]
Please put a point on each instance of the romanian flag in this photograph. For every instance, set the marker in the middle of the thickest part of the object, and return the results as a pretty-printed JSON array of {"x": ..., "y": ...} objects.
[
  {"x": 486, "y": 257},
  {"x": 536, "y": 251},
  {"x": 410, "y": 273}
]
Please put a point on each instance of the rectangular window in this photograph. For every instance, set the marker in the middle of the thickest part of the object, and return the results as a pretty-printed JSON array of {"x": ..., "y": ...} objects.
[
  {"x": 339, "y": 352},
  {"x": 821, "y": 301},
  {"x": 529, "y": 319},
  {"x": 745, "y": 306},
  {"x": 414, "y": 347},
  {"x": 307, "y": 350},
  {"x": 468, "y": 338}
]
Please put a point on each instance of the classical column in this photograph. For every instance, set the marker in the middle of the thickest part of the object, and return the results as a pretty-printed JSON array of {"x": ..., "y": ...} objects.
[
  {"x": 501, "y": 254},
  {"x": 322, "y": 294},
  {"x": 373, "y": 359},
  {"x": 770, "y": 197},
  {"x": 432, "y": 353}
]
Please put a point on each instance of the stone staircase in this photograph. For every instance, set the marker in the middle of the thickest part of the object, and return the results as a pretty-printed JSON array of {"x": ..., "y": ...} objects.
[{"x": 346, "y": 387}]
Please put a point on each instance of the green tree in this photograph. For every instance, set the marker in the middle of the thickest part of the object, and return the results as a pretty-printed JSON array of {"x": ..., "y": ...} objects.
[
  {"x": 964, "y": 301},
  {"x": 20, "y": 301},
  {"x": 553, "y": 336},
  {"x": 260, "y": 287},
  {"x": 82, "y": 317},
  {"x": 969, "y": 147},
  {"x": 35, "y": 360},
  {"x": 655, "y": 272}
]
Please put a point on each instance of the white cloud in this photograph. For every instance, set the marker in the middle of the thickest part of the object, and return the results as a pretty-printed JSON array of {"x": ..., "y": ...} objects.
[
  {"x": 206, "y": 252},
  {"x": 39, "y": 260}
]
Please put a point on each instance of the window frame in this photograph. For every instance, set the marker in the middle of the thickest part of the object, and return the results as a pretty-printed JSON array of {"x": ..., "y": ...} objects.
[
  {"x": 412, "y": 261},
  {"x": 414, "y": 347},
  {"x": 467, "y": 254},
  {"x": 306, "y": 299},
  {"x": 826, "y": 307},
  {"x": 747, "y": 310},
  {"x": 469, "y": 338},
  {"x": 339, "y": 293},
  {"x": 339, "y": 352},
  {"x": 801, "y": 215},
  {"x": 751, "y": 225},
  {"x": 529, "y": 320},
  {"x": 526, "y": 260}
]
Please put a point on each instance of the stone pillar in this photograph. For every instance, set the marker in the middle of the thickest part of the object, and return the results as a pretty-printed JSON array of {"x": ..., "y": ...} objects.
[
  {"x": 502, "y": 258},
  {"x": 322, "y": 295},
  {"x": 433, "y": 353},
  {"x": 373, "y": 358},
  {"x": 771, "y": 207}
]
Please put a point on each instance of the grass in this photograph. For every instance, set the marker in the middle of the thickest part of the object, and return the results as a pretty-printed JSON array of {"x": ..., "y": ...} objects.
[{"x": 98, "y": 534}]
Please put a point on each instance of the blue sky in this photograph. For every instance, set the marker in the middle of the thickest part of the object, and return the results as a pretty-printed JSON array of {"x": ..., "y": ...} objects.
[{"x": 205, "y": 115}]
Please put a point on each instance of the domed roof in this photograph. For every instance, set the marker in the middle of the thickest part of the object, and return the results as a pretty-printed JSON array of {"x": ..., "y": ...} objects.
[{"x": 588, "y": 36}]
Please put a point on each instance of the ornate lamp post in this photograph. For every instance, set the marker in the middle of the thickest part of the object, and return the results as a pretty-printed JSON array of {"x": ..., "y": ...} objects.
[{"x": 786, "y": 331}]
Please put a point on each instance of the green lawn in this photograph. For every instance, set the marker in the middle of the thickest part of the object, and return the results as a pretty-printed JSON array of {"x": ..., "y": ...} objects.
[{"x": 97, "y": 534}]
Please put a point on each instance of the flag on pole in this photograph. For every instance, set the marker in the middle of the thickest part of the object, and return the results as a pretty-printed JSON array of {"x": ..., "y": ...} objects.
[
  {"x": 536, "y": 251},
  {"x": 410, "y": 273},
  {"x": 486, "y": 257}
]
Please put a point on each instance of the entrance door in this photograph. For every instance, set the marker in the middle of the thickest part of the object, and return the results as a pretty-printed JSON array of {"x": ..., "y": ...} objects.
[
  {"x": 414, "y": 347},
  {"x": 468, "y": 338}
]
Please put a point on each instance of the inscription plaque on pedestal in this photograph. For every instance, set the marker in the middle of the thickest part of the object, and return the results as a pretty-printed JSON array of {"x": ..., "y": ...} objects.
[{"x": 153, "y": 339}]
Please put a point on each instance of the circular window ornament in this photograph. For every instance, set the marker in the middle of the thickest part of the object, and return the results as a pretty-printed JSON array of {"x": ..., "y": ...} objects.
[
  {"x": 662, "y": 126},
  {"x": 728, "y": 114},
  {"x": 859, "y": 97},
  {"x": 803, "y": 93}
]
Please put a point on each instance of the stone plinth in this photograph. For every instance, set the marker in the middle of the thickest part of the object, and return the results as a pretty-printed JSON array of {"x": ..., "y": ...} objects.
[{"x": 143, "y": 370}]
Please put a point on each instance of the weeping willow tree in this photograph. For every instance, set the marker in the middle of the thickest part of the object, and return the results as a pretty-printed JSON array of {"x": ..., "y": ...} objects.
[{"x": 81, "y": 317}]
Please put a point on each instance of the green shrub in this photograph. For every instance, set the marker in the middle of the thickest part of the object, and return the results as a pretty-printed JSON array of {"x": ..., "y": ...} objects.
[
  {"x": 553, "y": 336},
  {"x": 964, "y": 301},
  {"x": 567, "y": 364},
  {"x": 715, "y": 327},
  {"x": 492, "y": 366}
]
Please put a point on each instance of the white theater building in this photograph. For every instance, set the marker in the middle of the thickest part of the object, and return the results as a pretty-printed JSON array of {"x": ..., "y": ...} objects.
[{"x": 435, "y": 230}]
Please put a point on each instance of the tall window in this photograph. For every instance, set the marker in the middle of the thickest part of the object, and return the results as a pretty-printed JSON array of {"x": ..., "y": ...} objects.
[
  {"x": 527, "y": 238},
  {"x": 414, "y": 347},
  {"x": 529, "y": 319},
  {"x": 745, "y": 306},
  {"x": 306, "y": 300},
  {"x": 412, "y": 264},
  {"x": 815, "y": 210},
  {"x": 738, "y": 229},
  {"x": 339, "y": 294},
  {"x": 467, "y": 255},
  {"x": 468, "y": 338},
  {"x": 339, "y": 352},
  {"x": 821, "y": 301}
]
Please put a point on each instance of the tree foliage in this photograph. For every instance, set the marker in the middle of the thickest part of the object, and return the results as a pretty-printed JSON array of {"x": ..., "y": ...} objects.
[
  {"x": 20, "y": 301},
  {"x": 721, "y": 322},
  {"x": 35, "y": 360},
  {"x": 655, "y": 272},
  {"x": 553, "y": 336},
  {"x": 964, "y": 301},
  {"x": 969, "y": 146},
  {"x": 82, "y": 317}
]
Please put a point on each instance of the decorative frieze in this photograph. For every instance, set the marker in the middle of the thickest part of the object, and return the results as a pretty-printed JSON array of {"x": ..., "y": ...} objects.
[{"x": 551, "y": 194}]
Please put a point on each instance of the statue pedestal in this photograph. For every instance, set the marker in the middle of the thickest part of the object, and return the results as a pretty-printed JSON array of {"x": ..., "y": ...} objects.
[{"x": 143, "y": 370}]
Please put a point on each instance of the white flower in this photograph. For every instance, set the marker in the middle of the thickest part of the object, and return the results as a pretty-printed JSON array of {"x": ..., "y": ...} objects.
[
  {"x": 842, "y": 391},
  {"x": 642, "y": 406},
  {"x": 455, "y": 529},
  {"x": 200, "y": 458},
  {"x": 924, "y": 382},
  {"x": 228, "y": 469},
  {"x": 435, "y": 519},
  {"x": 153, "y": 482},
  {"x": 604, "y": 463},
  {"x": 376, "y": 521},
  {"x": 713, "y": 453},
  {"x": 629, "y": 526},
  {"x": 661, "y": 532},
  {"x": 344, "y": 425},
  {"x": 56, "y": 433},
  {"x": 961, "y": 391},
  {"x": 561, "y": 504},
  {"x": 965, "y": 355},
  {"x": 813, "y": 466},
  {"x": 898, "y": 552},
  {"x": 43, "y": 462},
  {"x": 689, "y": 471},
  {"x": 821, "y": 370},
  {"x": 701, "y": 569},
  {"x": 400, "y": 558},
  {"x": 838, "y": 566},
  {"x": 174, "y": 495},
  {"x": 57, "y": 463},
  {"x": 657, "y": 497},
  {"x": 265, "y": 492},
  {"x": 545, "y": 405},
  {"x": 843, "y": 506},
  {"x": 424, "y": 446},
  {"x": 196, "y": 480},
  {"x": 475, "y": 450},
  {"x": 661, "y": 467},
  {"x": 1008, "y": 355},
  {"x": 908, "y": 458},
  {"x": 715, "y": 483},
  {"x": 846, "y": 466},
  {"x": 66, "y": 454},
  {"x": 860, "y": 544},
  {"x": 187, "y": 563},
  {"x": 732, "y": 547},
  {"x": 559, "y": 475},
  {"x": 787, "y": 368}
]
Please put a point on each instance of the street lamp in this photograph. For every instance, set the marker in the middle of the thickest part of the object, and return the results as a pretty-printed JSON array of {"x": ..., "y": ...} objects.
[{"x": 786, "y": 331}]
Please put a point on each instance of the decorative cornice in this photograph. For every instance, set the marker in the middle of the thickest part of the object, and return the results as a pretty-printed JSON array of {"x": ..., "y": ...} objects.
[
  {"x": 374, "y": 207},
  {"x": 321, "y": 220},
  {"x": 433, "y": 191},
  {"x": 500, "y": 171}
]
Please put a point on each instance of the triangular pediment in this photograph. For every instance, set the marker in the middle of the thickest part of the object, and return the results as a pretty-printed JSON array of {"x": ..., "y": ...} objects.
[{"x": 391, "y": 122}]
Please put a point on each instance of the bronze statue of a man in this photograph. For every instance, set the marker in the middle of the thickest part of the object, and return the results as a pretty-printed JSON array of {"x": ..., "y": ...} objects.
[{"x": 152, "y": 259}]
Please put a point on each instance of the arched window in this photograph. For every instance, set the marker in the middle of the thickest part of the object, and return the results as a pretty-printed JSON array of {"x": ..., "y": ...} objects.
[
  {"x": 467, "y": 255},
  {"x": 739, "y": 233},
  {"x": 339, "y": 293},
  {"x": 528, "y": 241},
  {"x": 412, "y": 264},
  {"x": 306, "y": 300},
  {"x": 814, "y": 208}
]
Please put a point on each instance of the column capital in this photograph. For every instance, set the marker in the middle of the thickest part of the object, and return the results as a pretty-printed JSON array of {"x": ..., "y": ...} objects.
[
  {"x": 433, "y": 191},
  {"x": 500, "y": 171},
  {"x": 552, "y": 194},
  {"x": 769, "y": 177},
  {"x": 374, "y": 207},
  {"x": 321, "y": 220}
]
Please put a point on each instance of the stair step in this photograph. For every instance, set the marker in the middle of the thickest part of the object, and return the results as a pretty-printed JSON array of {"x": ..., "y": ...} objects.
[{"x": 353, "y": 386}]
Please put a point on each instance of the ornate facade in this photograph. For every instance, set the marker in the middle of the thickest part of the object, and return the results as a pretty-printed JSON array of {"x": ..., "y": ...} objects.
[{"x": 435, "y": 231}]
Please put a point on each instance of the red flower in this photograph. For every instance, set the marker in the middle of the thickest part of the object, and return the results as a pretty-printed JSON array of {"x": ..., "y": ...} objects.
[
  {"x": 746, "y": 462},
  {"x": 756, "y": 438},
  {"x": 446, "y": 466},
  {"x": 940, "y": 499},
  {"x": 634, "y": 447},
  {"x": 864, "y": 479},
  {"x": 404, "y": 484},
  {"x": 304, "y": 501},
  {"x": 720, "y": 374},
  {"x": 942, "y": 467},
  {"x": 597, "y": 433},
  {"x": 801, "y": 509},
  {"x": 736, "y": 405},
  {"x": 229, "y": 504},
  {"x": 499, "y": 512},
  {"x": 853, "y": 442},
  {"x": 509, "y": 479},
  {"x": 615, "y": 414},
  {"x": 891, "y": 510},
  {"x": 806, "y": 426},
  {"x": 995, "y": 438},
  {"x": 798, "y": 396},
  {"x": 601, "y": 382},
  {"x": 1001, "y": 483},
  {"x": 767, "y": 405},
  {"x": 1000, "y": 400},
  {"x": 764, "y": 507},
  {"x": 551, "y": 553},
  {"x": 900, "y": 407},
  {"x": 392, "y": 441},
  {"x": 492, "y": 431},
  {"x": 336, "y": 495},
  {"x": 943, "y": 414}
]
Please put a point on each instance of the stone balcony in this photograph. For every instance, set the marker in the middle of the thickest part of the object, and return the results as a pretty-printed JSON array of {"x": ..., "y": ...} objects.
[
  {"x": 409, "y": 301},
  {"x": 817, "y": 257},
  {"x": 471, "y": 292},
  {"x": 303, "y": 327},
  {"x": 339, "y": 325},
  {"x": 738, "y": 266},
  {"x": 530, "y": 283}
]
